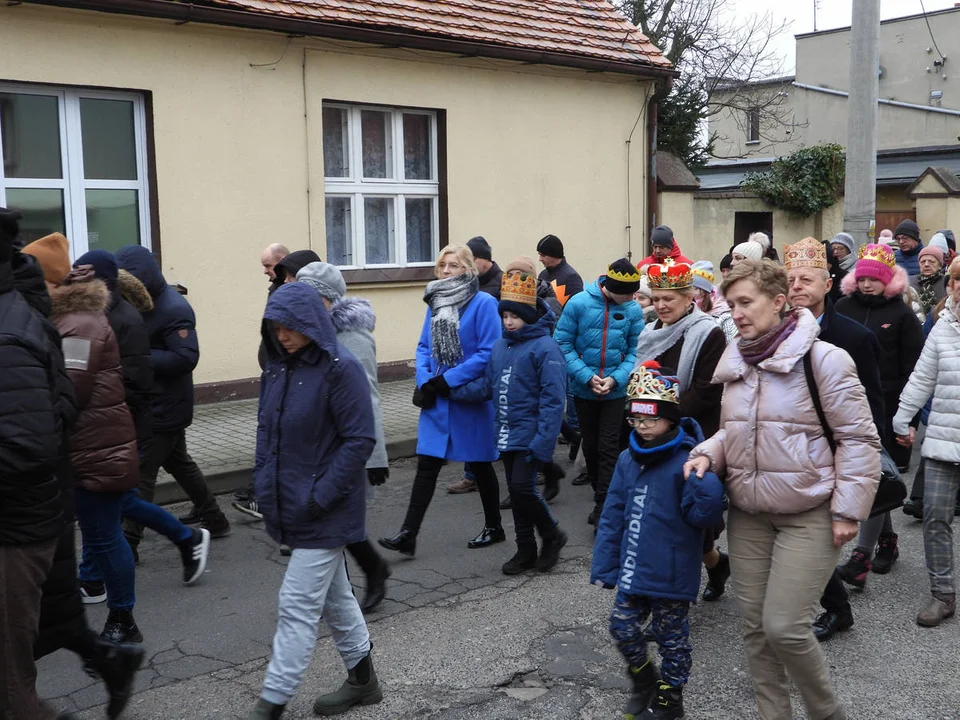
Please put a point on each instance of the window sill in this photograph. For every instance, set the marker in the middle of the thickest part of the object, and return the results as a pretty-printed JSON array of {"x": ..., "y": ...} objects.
[{"x": 389, "y": 275}]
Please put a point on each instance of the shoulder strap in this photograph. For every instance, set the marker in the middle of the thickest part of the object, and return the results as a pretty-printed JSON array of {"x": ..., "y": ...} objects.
[{"x": 815, "y": 396}]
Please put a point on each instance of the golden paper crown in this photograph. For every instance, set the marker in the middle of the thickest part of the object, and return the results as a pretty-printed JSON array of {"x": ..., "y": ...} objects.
[
  {"x": 809, "y": 252},
  {"x": 519, "y": 287},
  {"x": 627, "y": 277},
  {"x": 879, "y": 253},
  {"x": 646, "y": 383},
  {"x": 670, "y": 276}
]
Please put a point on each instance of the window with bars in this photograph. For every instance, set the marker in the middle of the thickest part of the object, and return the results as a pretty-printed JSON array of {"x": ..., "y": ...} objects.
[
  {"x": 74, "y": 162},
  {"x": 381, "y": 185}
]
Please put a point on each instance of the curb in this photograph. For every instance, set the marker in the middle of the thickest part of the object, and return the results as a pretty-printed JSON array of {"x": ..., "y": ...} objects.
[{"x": 235, "y": 477}]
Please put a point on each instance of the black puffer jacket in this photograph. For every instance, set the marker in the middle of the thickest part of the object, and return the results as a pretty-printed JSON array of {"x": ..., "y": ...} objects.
[
  {"x": 134, "y": 343},
  {"x": 491, "y": 281},
  {"x": 35, "y": 406}
]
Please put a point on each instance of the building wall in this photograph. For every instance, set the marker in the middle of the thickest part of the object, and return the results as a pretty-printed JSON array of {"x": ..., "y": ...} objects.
[
  {"x": 529, "y": 151},
  {"x": 935, "y": 214},
  {"x": 676, "y": 211}
]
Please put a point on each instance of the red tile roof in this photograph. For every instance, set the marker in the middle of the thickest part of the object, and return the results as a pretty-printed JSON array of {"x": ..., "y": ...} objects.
[{"x": 588, "y": 29}]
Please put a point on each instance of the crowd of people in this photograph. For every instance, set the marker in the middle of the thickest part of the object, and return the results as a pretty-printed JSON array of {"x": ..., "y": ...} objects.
[{"x": 766, "y": 404}]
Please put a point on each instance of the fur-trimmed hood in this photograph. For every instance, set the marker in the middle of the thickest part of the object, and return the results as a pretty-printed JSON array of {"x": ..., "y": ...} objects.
[
  {"x": 898, "y": 283},
  {"x": 134, "y": 292},
  {"x": 87, "y": 296},
  {"x": 350, "y": 313}
]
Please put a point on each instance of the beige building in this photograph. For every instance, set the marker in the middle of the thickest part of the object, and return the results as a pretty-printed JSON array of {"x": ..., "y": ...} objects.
[
  {"x": 370, "y": 131},
  {"x": 919, "y": 96}
]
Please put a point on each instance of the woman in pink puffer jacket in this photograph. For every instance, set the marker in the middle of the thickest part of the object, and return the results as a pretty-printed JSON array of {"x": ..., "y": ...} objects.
[{"x": 793, "y": 502}]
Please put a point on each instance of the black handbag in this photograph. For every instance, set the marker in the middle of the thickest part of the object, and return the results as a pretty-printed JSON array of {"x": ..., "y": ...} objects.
[{"x": 892, "y": 491}]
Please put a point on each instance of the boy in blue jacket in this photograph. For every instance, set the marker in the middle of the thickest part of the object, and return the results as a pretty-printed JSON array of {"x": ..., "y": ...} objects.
[
  {"x": 527, "y": 378},
  {"x": 649, "y": 540}
]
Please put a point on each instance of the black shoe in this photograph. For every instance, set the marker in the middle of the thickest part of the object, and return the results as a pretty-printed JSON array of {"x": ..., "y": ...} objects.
[
  {"x": 524, "y": 559},
  {"x": 887, "y": 554},
  {"x": 194, "y": 553},
  {"x": 248, "y": 507},
  {"x": 193, "y": 517},
  {"x": 717, "y": 577},
  {"x": 121, "y": 628},
  {"x": 669, "y": 703},
  {"x": 376, "y": 587},
  {"x": 574, "y": 449},
  {"x": 506, "y": 503},
  {"x": 285, "y": 550},
  {"x": 266, "y": 711},
  {"x": 550, "y": 552},
  {"x": 594, "y": 517},
  {"x": 646, "y": 681},
  {"x": 581, "y": 479},
  {"x": 244, "y": 495},
  {"x": 553, "y": 474},
  {"x": 487, "y": 537},
  {"x": 830, "y": 623},
  {"x": 92, "y": 593},
  {"x": 913, "y": 508},
  {"x": 216, "y": 523},
  {"x": 117, "y": 666},
  {"x": 404, "y": 542}
]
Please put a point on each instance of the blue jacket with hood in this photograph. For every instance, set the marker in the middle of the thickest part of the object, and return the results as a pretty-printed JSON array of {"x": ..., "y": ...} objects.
[
  {"x": 315, "y": 429},
  {"x": 174, "y": 349},
  {"x": 527, "y": 378},
  {"x": 650, "y": 534},
  {"x": 598, "y": 337}
]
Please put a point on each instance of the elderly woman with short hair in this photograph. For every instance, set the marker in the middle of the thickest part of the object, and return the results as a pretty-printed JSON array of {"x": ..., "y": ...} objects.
[
  {"x": 455, "y": 345},
  {"x": 794, "y": 499}
]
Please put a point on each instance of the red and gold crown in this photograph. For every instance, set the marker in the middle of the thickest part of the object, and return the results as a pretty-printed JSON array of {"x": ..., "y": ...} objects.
[
  {"x": 648, "y": 387},
  {"x": 808, "y": 253},
  {"x": 670, "y": 276},
  {"x": 878, "y": 253},
  {"x": 519, "y": 287}
]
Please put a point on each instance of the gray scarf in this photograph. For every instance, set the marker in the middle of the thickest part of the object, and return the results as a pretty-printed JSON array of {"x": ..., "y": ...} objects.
[
  {"x": 446, "y": 299},
  {"x": 693, "y": 329}
]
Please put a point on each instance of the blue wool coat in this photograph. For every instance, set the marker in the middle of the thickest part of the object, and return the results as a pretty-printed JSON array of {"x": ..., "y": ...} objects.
[
  {"x": 599, "y": 338},
  {"x": 174, "y": 348},
  {"x": 453, "y": 429},
  {"x": 315, "y": 429},
  {"x": 527, "y": 377},
  {"x": 650, "y": 534}
]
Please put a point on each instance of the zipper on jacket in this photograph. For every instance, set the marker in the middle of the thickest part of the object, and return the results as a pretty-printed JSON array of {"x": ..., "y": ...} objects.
[
  {"x": 283, "y": 402},
  {"x": 606, "y": 322}
]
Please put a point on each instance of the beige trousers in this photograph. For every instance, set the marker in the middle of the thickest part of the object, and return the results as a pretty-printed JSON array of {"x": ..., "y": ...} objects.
[{"x": 780, "y": 565}]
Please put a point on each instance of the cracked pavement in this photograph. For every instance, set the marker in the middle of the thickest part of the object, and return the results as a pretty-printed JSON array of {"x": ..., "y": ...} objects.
[{"x": 457, "y": 640}]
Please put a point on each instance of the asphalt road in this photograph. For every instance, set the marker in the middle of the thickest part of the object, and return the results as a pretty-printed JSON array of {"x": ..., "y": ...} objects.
[{"x": 457, "y": 639}]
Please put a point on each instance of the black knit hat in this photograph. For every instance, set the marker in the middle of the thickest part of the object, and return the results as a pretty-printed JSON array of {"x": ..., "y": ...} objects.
[
  {"x": 9, "y": 229},
  {"x": 908, "y": 228},
  {"x": 727, "y": 262},
  {"x": 480, "y": 248},
  {"x": 662, "y": 235},
  {"x": 528, "y": 313},
  {"x": 550, "y": 246},
  {"x": 622, "y": 277}
]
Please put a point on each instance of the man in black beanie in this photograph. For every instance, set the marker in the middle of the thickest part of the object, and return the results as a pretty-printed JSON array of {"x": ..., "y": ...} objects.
[
  {"x": 490, "y": 275},
  {"x": 557, "y": 271}
]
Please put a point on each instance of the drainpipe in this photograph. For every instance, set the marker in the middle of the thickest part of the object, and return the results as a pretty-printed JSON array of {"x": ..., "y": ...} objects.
[{"x": 653, "y": 204}]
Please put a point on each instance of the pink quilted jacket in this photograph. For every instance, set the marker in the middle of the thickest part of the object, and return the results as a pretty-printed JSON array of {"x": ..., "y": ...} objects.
[{"x": 771, "y": 444}]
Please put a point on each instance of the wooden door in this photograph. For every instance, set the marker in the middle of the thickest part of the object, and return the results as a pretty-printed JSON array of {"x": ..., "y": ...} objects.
[{"x": 890, "y": 220}]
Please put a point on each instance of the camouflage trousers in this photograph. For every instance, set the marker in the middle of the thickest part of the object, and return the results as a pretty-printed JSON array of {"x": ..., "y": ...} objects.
[{"x": 669, "y": 627}]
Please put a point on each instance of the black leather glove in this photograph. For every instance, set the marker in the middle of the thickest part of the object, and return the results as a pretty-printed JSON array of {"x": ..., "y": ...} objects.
[
  {"x": 377, "y": 476},
  {"x": 425, "y": 397},
  {"x": 440, "y": 386}
]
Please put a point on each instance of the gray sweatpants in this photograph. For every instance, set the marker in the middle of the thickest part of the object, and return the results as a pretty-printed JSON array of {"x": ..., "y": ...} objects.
[{"x": 939, "y": 499}]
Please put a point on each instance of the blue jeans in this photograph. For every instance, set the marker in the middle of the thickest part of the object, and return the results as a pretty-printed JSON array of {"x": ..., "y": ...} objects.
[
  {"x": 140, "y": 511},
  {"x": 98, "y": 514},
  {"x": 314, "y": 586}
]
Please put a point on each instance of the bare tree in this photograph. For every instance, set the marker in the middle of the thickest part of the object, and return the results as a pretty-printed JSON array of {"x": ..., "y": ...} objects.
[{"x": 720, "y": 57}]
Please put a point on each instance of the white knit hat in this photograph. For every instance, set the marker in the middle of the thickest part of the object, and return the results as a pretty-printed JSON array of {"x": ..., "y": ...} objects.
[
  {"x": 939, "y": 240},
  {"x": 762, "y": 238},
  {"x": 750, "y": 250}
]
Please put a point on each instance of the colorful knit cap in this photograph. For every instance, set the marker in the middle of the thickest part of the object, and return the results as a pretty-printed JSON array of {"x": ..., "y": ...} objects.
[
  {"x": 808, "y": 253},
  {"x": 703, "y": 275},
  {"x": 876, "y": 261},
  {"x": 670, "y": 276},
  {"x": 622, "y": 277},
  {"x": 654, "y": 390}
]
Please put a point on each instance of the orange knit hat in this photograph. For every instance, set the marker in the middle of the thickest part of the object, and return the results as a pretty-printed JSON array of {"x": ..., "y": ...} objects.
[{"x": 53, "y": 254}]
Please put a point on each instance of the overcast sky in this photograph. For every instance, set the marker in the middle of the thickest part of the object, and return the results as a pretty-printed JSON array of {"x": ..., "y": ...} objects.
[{"x": 830, "y": 14}]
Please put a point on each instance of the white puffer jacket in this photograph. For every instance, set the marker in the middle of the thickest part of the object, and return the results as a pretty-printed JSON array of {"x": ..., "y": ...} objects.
[{"x": 937, "y": 372}]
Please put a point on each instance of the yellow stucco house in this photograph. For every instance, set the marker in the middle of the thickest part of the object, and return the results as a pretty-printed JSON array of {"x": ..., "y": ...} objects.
[{"x": 371, "y": 131}]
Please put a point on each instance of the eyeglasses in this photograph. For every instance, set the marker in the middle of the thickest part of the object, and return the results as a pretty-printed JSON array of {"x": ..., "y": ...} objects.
[{"x": 643, "y": 422}]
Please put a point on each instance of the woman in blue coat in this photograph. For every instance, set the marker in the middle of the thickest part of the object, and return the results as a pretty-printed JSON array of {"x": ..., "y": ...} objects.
[{"x": 458, "y": 335}]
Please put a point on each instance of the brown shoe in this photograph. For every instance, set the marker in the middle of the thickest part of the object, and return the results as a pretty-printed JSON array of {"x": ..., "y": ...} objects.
[
  {"x": 461, "y": 486},
  {"x": 941, "y": 607}
]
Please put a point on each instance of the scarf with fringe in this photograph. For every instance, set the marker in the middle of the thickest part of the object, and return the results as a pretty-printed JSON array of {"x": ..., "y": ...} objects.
[{"x": 446, "y": 298}]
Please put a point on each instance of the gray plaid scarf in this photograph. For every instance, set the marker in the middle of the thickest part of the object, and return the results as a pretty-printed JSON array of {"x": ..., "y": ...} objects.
[{"x": 446, "y": 298}]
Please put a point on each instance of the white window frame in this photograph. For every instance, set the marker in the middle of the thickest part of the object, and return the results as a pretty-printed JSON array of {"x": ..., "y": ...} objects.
[
  {"x": 73, "y": 184},
  {"x": 399, "y": 188}
]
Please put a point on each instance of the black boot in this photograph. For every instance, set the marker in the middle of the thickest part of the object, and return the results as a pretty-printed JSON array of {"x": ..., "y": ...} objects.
[
  {"x": 645, "y": 681},
  {"x": 669, "y": 704},
  {"x": 193, "y": 517},
  {"x": 524, "y": 559},
  {"x": 266, "y": 711},
  {"x": 487, "y": 537},
  {"x": 360, "y": 688},
  {"x": 121, "y": 628},
  {"x": 574, "y": 447},
  {"x": 117, "y": 666},
  {"x": 376, "y": 587},
  {"x": 215, "y": 522},
  {"x": 404, "y": 542},
  {"x": 550, "y": 552},
  {"x": 717, "y": 577},
  {"x": 553, "y": 474}
]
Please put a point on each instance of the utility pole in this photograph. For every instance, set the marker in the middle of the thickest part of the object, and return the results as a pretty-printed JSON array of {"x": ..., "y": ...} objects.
[{"x": 860, "y": 188}]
